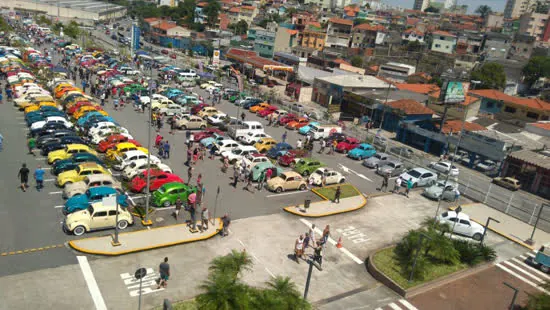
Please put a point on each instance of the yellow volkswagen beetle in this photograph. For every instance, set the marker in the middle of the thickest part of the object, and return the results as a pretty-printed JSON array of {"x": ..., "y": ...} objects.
[
  {"x": 80, "y": 173},
  {"x": 68, "y": 151}
]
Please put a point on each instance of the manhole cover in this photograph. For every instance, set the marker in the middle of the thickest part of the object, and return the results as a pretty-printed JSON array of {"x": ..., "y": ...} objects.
[{"x": 159, "y": 219}]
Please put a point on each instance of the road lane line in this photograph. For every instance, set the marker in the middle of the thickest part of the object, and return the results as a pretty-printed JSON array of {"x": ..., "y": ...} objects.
[
  {"x": 407, "y": 304},
  {"x": 394, "y": 306},
  {"x": 363, "y": 177},
  {"x": 91, "y": 282},
  {"x": 521, "y": 278},
  {"x": 40, "y": 158},
  {"x": 270, "y": 273},
  {"x": 285, "y": 194},
  {"x": 57, "y": 207},
  {"x": 535, "y": 270},
  {"x": 523, "y": 271},
  {"x": 333, "y": 242},
  {"x": 49, "y": 180},
  {"x": 55, "y": 193}
]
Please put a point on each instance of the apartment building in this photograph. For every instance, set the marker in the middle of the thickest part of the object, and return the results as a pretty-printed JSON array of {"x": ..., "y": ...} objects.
[
  {"x": 534, "y": 25},
  {"x": 443, "y": 42},
  {"x": 516, "y": 8},
  {"x": 367, "y": 35},
  {"x": 313, "y": 37},
  {"x": 338, "y": 33},
  {"x": 421, "y": 5}
]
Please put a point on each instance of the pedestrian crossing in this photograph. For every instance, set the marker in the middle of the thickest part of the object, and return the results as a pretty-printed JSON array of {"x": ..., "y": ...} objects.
[
  {"x": 401, "y": 304},
  {"x": 518, "y": 268}
]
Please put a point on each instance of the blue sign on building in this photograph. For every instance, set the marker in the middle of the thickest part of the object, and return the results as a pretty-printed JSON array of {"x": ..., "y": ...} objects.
[{"x": 135, "y": 37}]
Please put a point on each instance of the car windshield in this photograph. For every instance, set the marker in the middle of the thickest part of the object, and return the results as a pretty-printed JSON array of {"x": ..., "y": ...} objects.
[
  {"x": 91, "y": 209},
  {"x": 283, "y": 176},
  {"x": 78, "y": 169},
  {"x": 414, "y": 174},
  {"x": 237, "y": 151},
  {"x": 319, "y": 172},
  {"x": 133, "y": 165},
  {"x": 161, "y": 190}
]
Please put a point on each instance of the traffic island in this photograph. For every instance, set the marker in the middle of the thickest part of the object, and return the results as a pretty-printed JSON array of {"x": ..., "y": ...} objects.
[
  {"x": 351, "y": 199},
  {"x": 146, "y": 239}
]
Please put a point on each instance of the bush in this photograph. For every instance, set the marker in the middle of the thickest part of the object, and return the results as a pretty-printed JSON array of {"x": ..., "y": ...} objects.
[
  {"x": 488, "y": 253},
  {"x": 474, "y": 253}
]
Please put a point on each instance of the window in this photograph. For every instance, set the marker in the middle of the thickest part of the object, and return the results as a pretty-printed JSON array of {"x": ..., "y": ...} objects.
[
  {"x": 532, "y": 115},
  {"x": 113, "y": 212},
  {"x": 442, "y": 38},
  {"x": 508, "y": 109},
  {"x": 438, "y": 45},
  {"x": 490, "y": 105},
  {"x": 464, "y": 222},
  {"x": 100, "y": 214}
]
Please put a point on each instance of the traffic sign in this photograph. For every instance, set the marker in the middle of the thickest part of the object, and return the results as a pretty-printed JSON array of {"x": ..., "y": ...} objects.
[{"x": 140, "y": 273}]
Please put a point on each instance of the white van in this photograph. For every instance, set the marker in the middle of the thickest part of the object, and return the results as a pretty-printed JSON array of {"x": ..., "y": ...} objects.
[
  {"x": 188, "y": 73},
  {"x": 245, "y": 128},
  {"x": 323, "y": 131}
]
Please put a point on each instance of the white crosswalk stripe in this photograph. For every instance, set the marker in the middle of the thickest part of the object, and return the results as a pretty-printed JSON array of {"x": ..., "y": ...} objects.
[
  {"x": 401, "y": 304},
  {"x": 407, "y": 304},
  {"x": 526, "y": 272},
  {"x": 540, "y": 273},
  {"x": 511, "y": 272},
  {"x": 394, "y": 306}
]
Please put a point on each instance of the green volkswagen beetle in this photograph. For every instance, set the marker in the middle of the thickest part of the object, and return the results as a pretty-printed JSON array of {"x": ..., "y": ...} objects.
[
  {"x": 167, "y": 194},
  {"x": 306, "y": 166},
  {"x": 260, "y": 168}
]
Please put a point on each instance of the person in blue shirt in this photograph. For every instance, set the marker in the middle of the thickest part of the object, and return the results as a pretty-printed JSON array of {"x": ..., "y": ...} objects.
[
  {"x": 1, "y": 142},
  {"x": 39, "y": 177},
  {"x": 166, "y": 150}
]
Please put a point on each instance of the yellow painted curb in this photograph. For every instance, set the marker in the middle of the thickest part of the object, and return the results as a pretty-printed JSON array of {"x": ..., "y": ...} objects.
[
  {"x": 157, "y": 246},
  {"x": 26, "y": 251},
  {"x": 289, "y": 209}
]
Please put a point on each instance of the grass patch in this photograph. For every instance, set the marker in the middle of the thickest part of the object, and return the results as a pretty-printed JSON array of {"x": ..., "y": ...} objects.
[
  {"x": 386, "y": 262},
  {"x": 328, "y": 192},
  {"x": 183, "y": 305}
]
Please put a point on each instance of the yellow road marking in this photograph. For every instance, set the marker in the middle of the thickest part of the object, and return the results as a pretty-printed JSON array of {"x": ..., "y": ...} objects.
[{"x": 31, "y": 250}]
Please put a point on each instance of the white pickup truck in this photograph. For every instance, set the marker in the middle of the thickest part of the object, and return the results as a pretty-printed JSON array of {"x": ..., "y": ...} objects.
[
  {"x": 244, "y": 129},
  {"x": 323, "y": 131}
]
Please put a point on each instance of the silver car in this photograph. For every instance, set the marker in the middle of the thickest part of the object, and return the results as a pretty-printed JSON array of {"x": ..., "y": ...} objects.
[
  {"x": 391, "y": 167},
  {"x": 446, "y": 191},
  {"x": 377, "y": 160}
]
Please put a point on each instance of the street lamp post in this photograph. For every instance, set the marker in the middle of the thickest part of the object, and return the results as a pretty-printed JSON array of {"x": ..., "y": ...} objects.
[
  {"x": 530, "y": 240},
  {"x": 115, "y": 241},
  {"x": 516, "y": 291},
  {"x": 489, "y": 219},
  {"x": 146, "y": 221},
  {"x": 310, "y": 270}
]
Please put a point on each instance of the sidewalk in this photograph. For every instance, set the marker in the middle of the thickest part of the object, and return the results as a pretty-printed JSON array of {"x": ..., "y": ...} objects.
[
  {"x": 509, "y": 227},
  {"x": 327, "y": 207},
  {"x": 146, "y": 239}
]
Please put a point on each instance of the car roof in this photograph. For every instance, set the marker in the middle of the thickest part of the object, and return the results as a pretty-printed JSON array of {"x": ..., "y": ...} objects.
[
  {"x": 101, "y": 189},
  {"x": 421, "y": 170},
  {"x": 134, "y": 152},
  {"x": 461, "y": 215},
  {"x": 89, "y": 165},
  {"x": 99, "y": 177},
  {"x": 174, "y": 184},
  {"x": 394, "y": 161},
  {"x": 264, "y": 165},
  {"x": 291, "y": 174},
  {"x": 76, "y": 146},
  {"x": 247, "y": 147}
]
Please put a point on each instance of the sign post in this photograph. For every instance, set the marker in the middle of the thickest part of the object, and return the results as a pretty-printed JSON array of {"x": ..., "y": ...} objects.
[
  {"x": 140, "y": 274},
  {"x": 136, "y": 32}
]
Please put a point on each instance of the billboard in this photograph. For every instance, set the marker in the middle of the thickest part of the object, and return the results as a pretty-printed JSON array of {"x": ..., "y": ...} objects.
[
  {"x": 455, "y": 91},
  {"x": 216, "y": 58},
  {"x": 136, "y": 32}
]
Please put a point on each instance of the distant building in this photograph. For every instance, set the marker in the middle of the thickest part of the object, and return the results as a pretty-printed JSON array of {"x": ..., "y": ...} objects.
[
  {"x": 534, "y": 24},
  {"x": 285, "y": 39},
  {"x": 531, "y": 169},
  {"x": 366, "y": 35},
  {"x": 496, "y": 46},
  {"x": 324, "y": 4},
  {"x": 522, "y": 47},
  {"x": 396, "y": 72},
  {"x": 443, "y": 42},
  {"x": 515, "y": 8},
  {"x": 421, "y": 5},
  {"x": 494, "y": 21},
  {"x": 412, "y": 35},
  {"x": 338, "y": 33},
  {"x": 312, "y": 37},
  {"x": 449, "y": 4},
  {"x": 264, "y": 43},
  {"x": 80, "y": 10}
]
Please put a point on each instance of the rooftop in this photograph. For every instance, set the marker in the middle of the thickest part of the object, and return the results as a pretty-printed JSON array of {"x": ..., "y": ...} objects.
[
  {"x": 533, "y": 103},
  {"x": 443, "y": 33},
  {"x": 418, "y": 88},
  {"x": 341, "y": 21},
  {"x": 410, "y": 107},
  {"x": 308, "y": 74},
  {"x": 456, "y": 126},
  {"x": 164, "y": 25},
  {"x": 369, "y": 27},
  {"x": 538, "y": 159},
  {"x": 355, "y": 81},
  {"x": 84, "y": 5}
]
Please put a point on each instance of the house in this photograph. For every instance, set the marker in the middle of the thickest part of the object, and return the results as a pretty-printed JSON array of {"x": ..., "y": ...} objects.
[
  {"x": 163, "y": 27},
  {"x": 494, "y": 21},
  {"x": 531, "y": 169},
  {"x": 522, "y": 47},
  {"x": 324, "y": 4},
  {"x": 516, "y": 110},
  {"x": 200, "y": 17},
  {"x": 329, "y": 91},
  {"x": 443, "y": 42},
  {"x": 338, "y": 34},
  {"x": 469, "y": 43},
  {"x": 412, "y": 35},
  {"x": 496, "y": 46},
  {"x": 466, "y": 109},
  {"x": 396, "y": 72},
  {"x": 148, "y": 23},
  {"x": 366, "y": 35},
  {"x": 285, "y": 39},
  {"x": 534, "y": 24},
  {"x": 247, "y": 13},
  {"x": 405, "y": 110},
  {"x": 312, "y": 37},
  {"x": 264, "y": 42}
]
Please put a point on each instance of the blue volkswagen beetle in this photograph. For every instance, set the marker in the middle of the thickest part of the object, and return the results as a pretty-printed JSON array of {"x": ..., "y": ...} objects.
[
  {"x": 73, "y": 162},
  {"x": 279, "y": 149},
  {"x": 92, "y": 195},
  {"x": 364, "y": 150},
  {"x": 208, "y": 142},
  {"x": 304, "y": 130}
]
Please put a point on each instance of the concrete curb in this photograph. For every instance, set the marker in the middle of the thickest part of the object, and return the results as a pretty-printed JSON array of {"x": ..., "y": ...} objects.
[
  {"x": 152, "y": 247},
  {"x": 289, "y": 209},
  {"x": 498, "y": 232}
]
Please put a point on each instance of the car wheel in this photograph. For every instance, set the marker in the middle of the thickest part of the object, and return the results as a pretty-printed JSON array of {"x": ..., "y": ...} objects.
[
  {"x": 477, "y": 237},
  {"x": 122, "y": 224},
  {"x": 544, "y": 269},
  {"x": 414, "y": 185},
  {"x": 305, "y": 173},
  {"x": 202, "y": 127},
  {"x": 342, "y": 180},
  {"x": 184, "y": 127},
  {"x": 432, "y": 182},
  {"x": 263, "y": 151},
  {"x": 167, "y": 204},
  {"x": 302, "y": 187},
  {"x": 279, "y": 189},
  {"x": 79, "y": 230}
]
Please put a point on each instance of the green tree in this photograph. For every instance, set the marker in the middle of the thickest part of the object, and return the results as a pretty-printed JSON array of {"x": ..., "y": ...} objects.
[
  {"x": 43, "y": 20},
  {"x": 169, "y": 45},
  {"x": 72, "y": 30},
  {"x": 537, "y": 67},
  {"x": 285, "y": 293},
  {"x": 357, "y": 61},
  {"x": 491, "y": 75},
  {"x": 359, "y": 21},
  {"x": 540, "y": 300},
  {"x": 239, "y": 28},
  {"x": 187, "y": 9},
  {"x": 484, "y": 10},
  {"x": 542, "y": 7},
  {"x": 432, "y": 9},
  {"x": 231, "y": 265},
  {"x": 290, "y": 12},
  {"x": 212, "y": 10}
]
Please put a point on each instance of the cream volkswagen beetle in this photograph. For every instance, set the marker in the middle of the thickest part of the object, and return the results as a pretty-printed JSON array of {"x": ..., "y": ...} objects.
[
  {"x": 93, "y": 180},
  {"x": 95, "y": 217}
]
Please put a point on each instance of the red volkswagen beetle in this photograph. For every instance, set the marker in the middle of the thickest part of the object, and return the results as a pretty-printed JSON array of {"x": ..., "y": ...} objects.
[
  {"x": 77, "y": 106},
  {"x": 348, "y": 144},
  {"x": 287, "y": 119},
  {"x": 265, "y": 112},
  {"x": 289, "y": 159},
  {"x": 208, "y": 132},
  {"x": 113, "y": 140},
  {"x": 157, "y": 179}
]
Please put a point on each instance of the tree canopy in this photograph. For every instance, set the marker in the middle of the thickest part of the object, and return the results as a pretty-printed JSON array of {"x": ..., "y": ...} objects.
[
  {"x": 537, "y": 67},
  {"x": 484, "y": 10},
  {"x": 491, "y": 75},
  {"x": 357, "y": 61},
  {"x": 241, "y": 27},
  {"x": 432, "y": 9},
  {"x": 72, "y": 30},
  {"x": 212, "y": 10}
]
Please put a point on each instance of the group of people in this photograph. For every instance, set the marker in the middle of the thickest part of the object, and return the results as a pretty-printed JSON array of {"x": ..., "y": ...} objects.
[
  {"x": 23, "y": 176},
  {"x": 407, "y": 184},
  {"x": 163, "y": 147},
  {"x": 309, "y": 241}
]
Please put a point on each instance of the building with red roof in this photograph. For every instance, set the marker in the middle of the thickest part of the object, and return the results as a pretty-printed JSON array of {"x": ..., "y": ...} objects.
[
  {"x": 443, "y": 42},
  {"x": 338, "y": 34},
  {"x": 367, "y": 35}
]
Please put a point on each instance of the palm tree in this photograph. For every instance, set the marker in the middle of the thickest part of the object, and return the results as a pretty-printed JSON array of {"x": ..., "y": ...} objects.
[
  {"x": 231, "y": 264},
  {"x": 222, "y": 293},
  {"x": 284, "y": 290},
  {"x": 484, "y": 10}
]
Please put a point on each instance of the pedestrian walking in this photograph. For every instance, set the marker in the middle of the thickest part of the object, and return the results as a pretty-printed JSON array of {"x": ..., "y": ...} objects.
[
  {"x": 226, "y": 222},
  {"x": 189, "y": 175},
  {"x": 191, "y": 207},
  {"x": 318, "y": 255},
  {"x": 189, "y": 156},
  {"x": 172, "y": 124},
  {"x": 299, "y": 144},
  {"x": 164, "y": 271},
  {"x": 204, "y": 219},
  {"x": 337, "y": 194},
  {"x": 31, "y": 144},
  {"x": 284, "y": 136},
  {"x": 312, "y": 238},
  {"x": 1, "y": 142},
  {"x": 199, "y": 180},
  {"x": 23, "y": 175},
  {"x": 457, "y": 194},
  {"x": 385, "y": 181},
  {"x": 397, "y": 186},
  {"x": 299, "y": 248},
  {"x": 39, "y": 177},
  {"x": 261, "y": 179},
  {"x": 177, "y": 210},
  {"x": 323, "y": 180},
  {"x": 249, "y": 186},
  {"x": 325, "y": 236},
  {"x": 235, "y": 177},
  {"x": 307, "y": 240},
  {"x": 166, "y": 149},
  {"x": 212, "y": 152},
  {"x": 268, "y": 174},
  {"x": 323, "y": 144},
  {"x": 243, "y": 116},
  {"x": 409, "y": 186}
]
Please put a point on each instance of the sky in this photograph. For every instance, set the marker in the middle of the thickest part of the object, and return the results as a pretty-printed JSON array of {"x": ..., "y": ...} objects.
[{"x": 496, "y": 5}]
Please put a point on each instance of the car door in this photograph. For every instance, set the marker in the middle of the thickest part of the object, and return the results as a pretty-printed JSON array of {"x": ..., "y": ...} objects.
[
  {"x": 111, "y": 218},
  {"x": 331, "y": 177},
  {"x": 425, "y": 179},
  {"x": 290, "y": 183},
  {"x": 463, "y": 227},
  {"x": 100, "y": 219}
]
